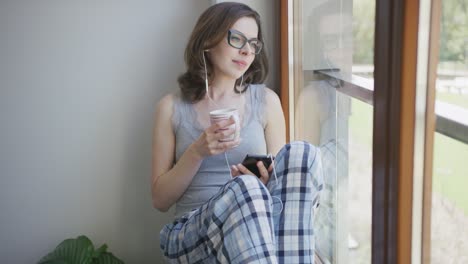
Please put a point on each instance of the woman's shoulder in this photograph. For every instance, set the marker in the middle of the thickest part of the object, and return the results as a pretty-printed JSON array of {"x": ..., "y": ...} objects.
[
  {"x": 260, "y": 88},
  {"x": 268, "y": 95},
  {"x": 169, "y": 99},
  {"x": 166, "y": 104},
  {"x": 272, "y": 99},
  {"x": 264, "y": 94}
]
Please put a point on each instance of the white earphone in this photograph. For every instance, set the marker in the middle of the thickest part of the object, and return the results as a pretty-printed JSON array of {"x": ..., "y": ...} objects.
[{"x": 225, "y": 153}]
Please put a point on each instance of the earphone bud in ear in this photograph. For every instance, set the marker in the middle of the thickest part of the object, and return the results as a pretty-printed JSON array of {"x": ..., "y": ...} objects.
[{"x": 207, "y": 50}]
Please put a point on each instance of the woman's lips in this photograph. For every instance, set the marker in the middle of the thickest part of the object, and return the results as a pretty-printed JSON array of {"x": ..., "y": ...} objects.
[{"x": 240, "y": 63}]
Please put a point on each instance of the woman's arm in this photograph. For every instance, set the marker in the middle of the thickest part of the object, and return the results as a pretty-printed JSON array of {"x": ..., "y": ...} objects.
[
  {"x": 275, "y": 130},
  {"x": 170, "y": 181},
  {"x": 166, "y": 188}
]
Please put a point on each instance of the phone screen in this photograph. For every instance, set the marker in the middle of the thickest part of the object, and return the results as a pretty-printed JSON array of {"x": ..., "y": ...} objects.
[{"x": 250, "y": 162}]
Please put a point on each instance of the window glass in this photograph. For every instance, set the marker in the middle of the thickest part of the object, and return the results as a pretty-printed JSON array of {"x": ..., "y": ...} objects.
[
  {"x": 337, "y": 37},
  {"x": 449, "y": 213}
]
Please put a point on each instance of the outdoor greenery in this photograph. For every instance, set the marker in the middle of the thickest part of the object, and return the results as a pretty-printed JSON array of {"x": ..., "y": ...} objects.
[
  {"x": 363, "y": 31},
  {"x": 449, "y": 171},
  {"x": 453, "y": 33}
]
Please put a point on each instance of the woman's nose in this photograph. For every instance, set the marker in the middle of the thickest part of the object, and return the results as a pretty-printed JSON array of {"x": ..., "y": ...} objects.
[{"x": 247, "y": 49}]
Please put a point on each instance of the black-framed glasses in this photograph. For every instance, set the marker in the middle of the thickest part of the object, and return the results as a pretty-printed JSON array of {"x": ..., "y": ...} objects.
[{"x": 238, "y": 40}]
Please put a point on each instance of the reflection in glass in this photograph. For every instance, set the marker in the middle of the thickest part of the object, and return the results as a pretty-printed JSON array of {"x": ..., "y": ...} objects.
[
  {"x": 360, "y": 180},
  {"x": 326, "y": 118}
]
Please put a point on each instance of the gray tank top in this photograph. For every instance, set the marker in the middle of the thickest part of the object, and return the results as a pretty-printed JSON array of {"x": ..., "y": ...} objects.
[{"x": 214, "y": 172}]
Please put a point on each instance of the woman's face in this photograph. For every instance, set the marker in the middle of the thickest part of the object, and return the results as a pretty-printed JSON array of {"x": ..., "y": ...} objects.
[{"x": 228, "y": 61}]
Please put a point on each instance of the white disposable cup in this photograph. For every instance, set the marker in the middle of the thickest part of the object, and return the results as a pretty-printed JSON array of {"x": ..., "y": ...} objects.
[{"x": 224, "y": 114}]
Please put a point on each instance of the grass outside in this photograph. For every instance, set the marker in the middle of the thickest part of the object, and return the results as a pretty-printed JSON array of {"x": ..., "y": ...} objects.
[{"x": 450, "y": 172}]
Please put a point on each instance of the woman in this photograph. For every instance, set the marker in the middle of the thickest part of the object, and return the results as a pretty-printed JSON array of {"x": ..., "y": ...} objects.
[{"x": 223, "y": 212}]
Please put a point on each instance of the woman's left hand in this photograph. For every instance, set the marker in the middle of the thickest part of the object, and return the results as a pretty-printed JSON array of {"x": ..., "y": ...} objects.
[{"x": 240, "y": 169}]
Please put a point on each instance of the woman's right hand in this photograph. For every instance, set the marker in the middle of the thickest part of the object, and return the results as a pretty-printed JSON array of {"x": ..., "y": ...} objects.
[{"x": 208, "y": 143}]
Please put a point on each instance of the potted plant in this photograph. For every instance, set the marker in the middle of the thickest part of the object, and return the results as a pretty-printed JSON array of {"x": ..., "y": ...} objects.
[{"x": 79, "y": 251}]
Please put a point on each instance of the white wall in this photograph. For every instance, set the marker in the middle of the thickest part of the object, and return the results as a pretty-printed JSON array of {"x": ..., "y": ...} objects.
[
  {"x": 78, "y": 84},
  {"x": 79, "y": 81}
]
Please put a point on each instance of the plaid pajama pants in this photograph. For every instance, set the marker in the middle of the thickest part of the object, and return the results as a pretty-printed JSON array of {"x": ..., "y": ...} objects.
[{"x": 242, "y": 223}]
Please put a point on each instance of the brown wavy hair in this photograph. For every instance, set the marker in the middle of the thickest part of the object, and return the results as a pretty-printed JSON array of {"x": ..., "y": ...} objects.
[{"x": 210, "y": 29}]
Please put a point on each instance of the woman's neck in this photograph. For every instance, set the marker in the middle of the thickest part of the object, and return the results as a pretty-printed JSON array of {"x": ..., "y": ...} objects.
[
  {"x": 222, "y": 88},
  {"x": 223, "y": 96}
]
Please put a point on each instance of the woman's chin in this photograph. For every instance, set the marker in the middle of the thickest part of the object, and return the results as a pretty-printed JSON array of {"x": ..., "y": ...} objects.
[{"x": 238, "y": 75}]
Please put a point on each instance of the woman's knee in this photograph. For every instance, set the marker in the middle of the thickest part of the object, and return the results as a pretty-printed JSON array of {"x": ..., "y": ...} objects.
[
  {"x": 246, "y": 182},
  {"x": 300, "y": 162},
  {"x": 302, "y": 152},
  {"x": 249, "y": 187}
]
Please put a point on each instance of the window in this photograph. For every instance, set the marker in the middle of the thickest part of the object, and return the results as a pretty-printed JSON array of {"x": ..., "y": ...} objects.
[
  {"x": 393, "y": 155},
  {"x": 449, "y": 209},
  {"x": 332, "y": 108}
]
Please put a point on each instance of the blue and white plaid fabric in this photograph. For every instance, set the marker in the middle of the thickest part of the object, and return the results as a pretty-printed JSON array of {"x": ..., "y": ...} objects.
[{"x": 242, "y": 223}]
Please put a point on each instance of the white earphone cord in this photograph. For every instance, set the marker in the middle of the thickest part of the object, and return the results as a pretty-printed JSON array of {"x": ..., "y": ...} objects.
[
  {"x": 206, "y": 79},
  {"x": 276, "y": 183},
  {"x": 225, "y": 153}
]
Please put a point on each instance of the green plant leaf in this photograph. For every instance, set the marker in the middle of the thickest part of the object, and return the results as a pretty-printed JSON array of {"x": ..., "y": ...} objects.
[
  {"x": 71, "y": 251},
  {"x": 102, "y": 249}
]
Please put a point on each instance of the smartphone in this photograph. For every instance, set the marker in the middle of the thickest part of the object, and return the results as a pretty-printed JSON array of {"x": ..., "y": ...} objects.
[{"x": 250, "y": 162}]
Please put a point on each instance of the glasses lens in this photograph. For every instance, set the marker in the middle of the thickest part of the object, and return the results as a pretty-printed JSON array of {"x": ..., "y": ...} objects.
[
  {"x": 256, "y": 46},
  {"x": 236, "y": 40}
]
